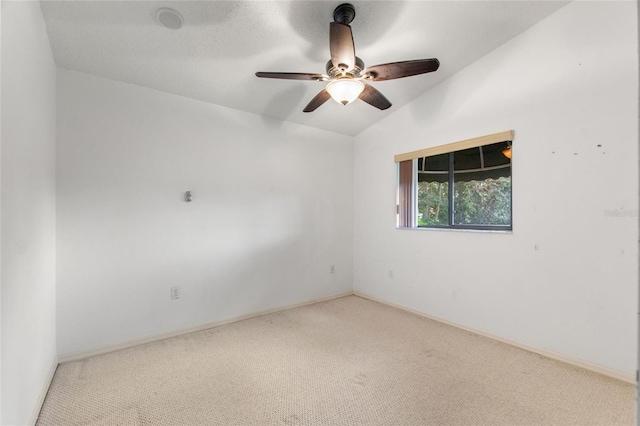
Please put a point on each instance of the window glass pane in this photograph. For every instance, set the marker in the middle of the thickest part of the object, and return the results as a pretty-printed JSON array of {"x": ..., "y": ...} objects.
[
  {"x": 482, "y": 186},
  {"x": 433, "y": 203},
  {"x": 433, "y": 191}
]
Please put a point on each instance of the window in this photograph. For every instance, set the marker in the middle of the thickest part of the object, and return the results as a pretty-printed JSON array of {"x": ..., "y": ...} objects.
[{"x": 465, "y": 185}]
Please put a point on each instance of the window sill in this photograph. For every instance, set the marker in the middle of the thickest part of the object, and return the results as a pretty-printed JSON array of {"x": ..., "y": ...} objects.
[{"x": 482, "y": 231}]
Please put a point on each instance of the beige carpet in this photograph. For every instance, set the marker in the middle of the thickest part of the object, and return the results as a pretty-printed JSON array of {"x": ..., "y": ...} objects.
[{"x": 348, "y": 361}]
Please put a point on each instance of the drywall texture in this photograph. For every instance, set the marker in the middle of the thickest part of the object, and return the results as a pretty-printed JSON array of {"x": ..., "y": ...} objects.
[
  {"x": 566, "y": 278},
  {"x": 271, "y": 212},
  {"x": 28, "y": 211}
]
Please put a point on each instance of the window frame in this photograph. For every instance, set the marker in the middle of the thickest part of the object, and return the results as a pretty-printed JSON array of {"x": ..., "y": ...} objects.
[{"x": 449, "y": 149}]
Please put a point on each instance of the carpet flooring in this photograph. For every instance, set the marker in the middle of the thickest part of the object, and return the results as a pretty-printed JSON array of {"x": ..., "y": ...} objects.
[{"x": 348, "y": 361}]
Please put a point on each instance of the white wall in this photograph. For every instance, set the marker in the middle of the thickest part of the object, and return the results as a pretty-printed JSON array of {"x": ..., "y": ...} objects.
[
  {"x": 272, "y": 210},
  {"x": 28, "y": 211},
  {"x": 566, "y": 278}
]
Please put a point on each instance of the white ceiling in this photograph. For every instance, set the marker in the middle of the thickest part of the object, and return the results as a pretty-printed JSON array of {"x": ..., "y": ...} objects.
[{"x": 222, "y": 44}]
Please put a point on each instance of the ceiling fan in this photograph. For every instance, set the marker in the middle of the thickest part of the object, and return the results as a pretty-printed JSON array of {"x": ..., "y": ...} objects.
[{"x": 346, "y": 73}]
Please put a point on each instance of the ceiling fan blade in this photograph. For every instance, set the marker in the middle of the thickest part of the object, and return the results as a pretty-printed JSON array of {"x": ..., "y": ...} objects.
[
  {"x": 401, "y": 69},
  {"x": 343, "y": 51},
  {"x": 318, "y": 100},
  {"x": 292, "y": 76},
  {"x": 373, "y": 97}
]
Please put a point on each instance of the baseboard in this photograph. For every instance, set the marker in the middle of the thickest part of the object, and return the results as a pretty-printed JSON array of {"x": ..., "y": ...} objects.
[
  {"x": 628, "y": 378},
  {"x": 137, "y": 342},
  {"x": 43, "y": 393}
]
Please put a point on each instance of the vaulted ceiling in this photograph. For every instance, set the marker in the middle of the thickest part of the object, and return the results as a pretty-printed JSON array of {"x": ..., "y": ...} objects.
[{"x": 215, "y": 55}]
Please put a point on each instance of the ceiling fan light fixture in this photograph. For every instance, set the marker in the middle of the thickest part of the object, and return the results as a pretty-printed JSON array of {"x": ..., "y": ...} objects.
[{"x": 345, "y": 91}]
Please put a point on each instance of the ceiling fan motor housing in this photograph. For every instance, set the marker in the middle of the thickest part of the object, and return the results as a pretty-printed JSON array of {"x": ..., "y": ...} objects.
[
  {"x": 344, "y": 13},
  {"x": 335, "y": 72}
]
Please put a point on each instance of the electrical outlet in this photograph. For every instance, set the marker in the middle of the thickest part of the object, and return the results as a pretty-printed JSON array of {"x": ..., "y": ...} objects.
[
  {"x": 175, "y": 293},
  {"x": 333, "y": 269}
]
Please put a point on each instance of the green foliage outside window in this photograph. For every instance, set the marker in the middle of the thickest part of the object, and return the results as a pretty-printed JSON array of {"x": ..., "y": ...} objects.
[
  {"x": 477, "y": 202},
  {"x": 483, "y": 202},
  {"x": 433, "y": 204}
]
